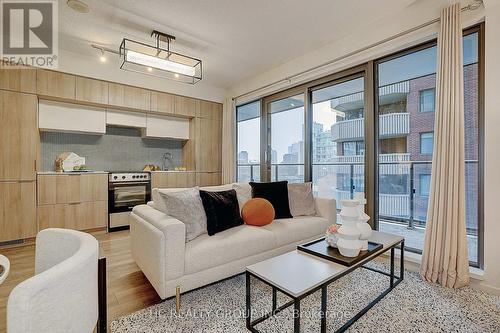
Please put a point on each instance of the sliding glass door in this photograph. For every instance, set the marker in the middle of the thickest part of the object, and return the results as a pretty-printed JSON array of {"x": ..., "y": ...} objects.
[
  {"x": 285, "y": 149},
  {"x": 248, "y": 142},
  {"x": 338, "y": 139}
]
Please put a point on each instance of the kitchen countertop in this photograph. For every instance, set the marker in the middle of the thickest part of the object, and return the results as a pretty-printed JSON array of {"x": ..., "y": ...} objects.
[
  {"x": 69, "y": 173},
  {"x": 172, "y": 171}
]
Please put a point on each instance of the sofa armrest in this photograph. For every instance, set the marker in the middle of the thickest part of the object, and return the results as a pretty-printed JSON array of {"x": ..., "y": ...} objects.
[
  {"x": 158, "y": 245},
  {"x": 327, "y": 208}
]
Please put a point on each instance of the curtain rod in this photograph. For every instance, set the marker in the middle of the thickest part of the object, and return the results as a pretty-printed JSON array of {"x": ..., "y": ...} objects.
[{"x": 472, "y": 6}]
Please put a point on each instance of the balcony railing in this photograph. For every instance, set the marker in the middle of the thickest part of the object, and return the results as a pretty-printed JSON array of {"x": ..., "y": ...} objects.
[
  {"x": 340, "y": 180},
  {"x": 390, "y": 125}
]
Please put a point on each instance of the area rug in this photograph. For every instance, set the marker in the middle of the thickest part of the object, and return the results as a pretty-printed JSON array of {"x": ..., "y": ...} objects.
[{"x": 413, "y": 306}]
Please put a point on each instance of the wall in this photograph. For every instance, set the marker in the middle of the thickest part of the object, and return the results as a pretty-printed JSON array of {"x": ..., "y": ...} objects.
[
  {"x": 416, "y": 14},
  {"x": 120, "y": 149}
]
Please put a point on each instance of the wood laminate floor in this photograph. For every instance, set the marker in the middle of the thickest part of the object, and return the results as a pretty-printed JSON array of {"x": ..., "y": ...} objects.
[{"x": 128, "y": 288}]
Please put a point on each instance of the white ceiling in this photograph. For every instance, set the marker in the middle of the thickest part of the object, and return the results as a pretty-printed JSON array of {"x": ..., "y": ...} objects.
[{"x": 236, "y": 39}]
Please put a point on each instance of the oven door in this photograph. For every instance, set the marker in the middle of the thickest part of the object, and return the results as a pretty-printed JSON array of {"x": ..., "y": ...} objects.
[{"x": 123, "y": 197}]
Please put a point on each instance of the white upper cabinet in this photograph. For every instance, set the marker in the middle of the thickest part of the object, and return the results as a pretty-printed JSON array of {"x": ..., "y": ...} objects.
[
  {"x": 124, "y": 118},
  {"x": 167, "y": 127},
  {"x": 57, "y": 116}
]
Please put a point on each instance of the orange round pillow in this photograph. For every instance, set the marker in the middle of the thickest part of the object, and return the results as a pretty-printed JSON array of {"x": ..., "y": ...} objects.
[{"x": 258, "y": 212}]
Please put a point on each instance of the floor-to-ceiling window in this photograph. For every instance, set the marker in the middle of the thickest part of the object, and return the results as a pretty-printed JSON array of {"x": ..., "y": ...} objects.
[
  {"x": 248, "y": 142},
  {"x": 405, "y": 118},
  {"x": 286, "y": 139},
  {"x": 316, "y": 132},
  {"x": 338, "y": 139}
]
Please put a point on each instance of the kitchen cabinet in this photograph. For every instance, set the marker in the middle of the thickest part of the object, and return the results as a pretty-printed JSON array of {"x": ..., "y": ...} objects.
[
  {"x": 129, "y": 97},
  {"x": 72, "y": 188},
  {"x": 78, "y": 216},
  {"x": 57, "y": 116},
  {"x": 74, "y": 201},
  {"x": 18, "y": 79},
  {"x": 167, "y": 127},
  {"x": 173, "y": 179},
  {"x": 209, "y": 110},
  {"x": 19, "y": 136},
  {"x": 55, "y": 84},
  {"x": 91, "y": 90},
  {"x": 162, "y": 102},
  {"x": 18, "y": 210},
  {"x": 208, "y": 141},
  {"x": 208, "y": 178},
  {"x": 125, "y": 118},
  {"x": 185, "y": 106}
]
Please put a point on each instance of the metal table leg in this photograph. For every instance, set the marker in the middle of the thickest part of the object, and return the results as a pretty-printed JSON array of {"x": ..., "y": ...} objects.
[
  {"x": 324, "y": 296},
  {"x": 296, "y": 316},
  {"x": 275, "y": 301},
  {"x": 392, "y": 268},
  {"x": 248, "y": 309}
]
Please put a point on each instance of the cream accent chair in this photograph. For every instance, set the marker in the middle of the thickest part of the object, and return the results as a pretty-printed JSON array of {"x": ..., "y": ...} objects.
[
  {"x": 5, "y": 264},
  {"x": 62, "y": 296}
]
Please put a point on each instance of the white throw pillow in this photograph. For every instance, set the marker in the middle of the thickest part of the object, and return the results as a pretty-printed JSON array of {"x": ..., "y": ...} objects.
[
  {"x": 243, "y": 193},
  {"x": 187, "y": 207},
  {"x": 301, "y": 199}
]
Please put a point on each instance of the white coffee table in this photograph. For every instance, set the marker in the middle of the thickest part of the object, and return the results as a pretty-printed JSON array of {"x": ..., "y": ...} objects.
[{"x": 298, "y": 275}]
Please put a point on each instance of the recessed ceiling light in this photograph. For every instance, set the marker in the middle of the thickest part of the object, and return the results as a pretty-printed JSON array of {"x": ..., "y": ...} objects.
[
  {"x": 102, "y": 57},
  {"x": 176, "y": 75},
  {"x": 78, "y": 6}
]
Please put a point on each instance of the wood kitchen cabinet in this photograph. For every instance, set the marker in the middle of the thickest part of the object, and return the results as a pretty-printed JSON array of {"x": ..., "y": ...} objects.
[
  {"x": 72, "y": 188},
  {"x": 17, "y": 210},
  {"x": 173, "y": 179},
  {"x": 75, "y": 201},
  {"x": 19, "y": 136},
  {"x": 55, "y": 84},
  {"x": 208, "y": 178},
  {"x": 209, "y": 110},
  {"x": 185, "y": 106},
  {"x": 162, "y": 102},
  {"x": 129, "y": 97},
  {"x": 18, "y": 79},
  {"x": 91, "y": 90},
  {"x": 208, "y": 141},
  {"x": 78, "y": 216}
]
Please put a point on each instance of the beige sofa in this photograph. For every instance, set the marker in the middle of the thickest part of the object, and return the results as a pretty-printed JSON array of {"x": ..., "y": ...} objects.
[{"x": 160, "y": 250}]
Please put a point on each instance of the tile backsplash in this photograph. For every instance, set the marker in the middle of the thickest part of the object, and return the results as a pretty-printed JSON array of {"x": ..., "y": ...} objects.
[{"x": 120, "y": 149}]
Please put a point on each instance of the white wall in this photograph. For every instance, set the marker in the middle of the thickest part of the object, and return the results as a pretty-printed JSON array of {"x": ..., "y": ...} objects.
[
  {"x": 73, "y": 63},
  {"x": 416, "y": 14}
]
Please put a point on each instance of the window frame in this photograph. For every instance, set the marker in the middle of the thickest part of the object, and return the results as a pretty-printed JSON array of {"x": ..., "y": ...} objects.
[
  {"x": 421, "y": 93},
  {"x": 421, "y": 134}
]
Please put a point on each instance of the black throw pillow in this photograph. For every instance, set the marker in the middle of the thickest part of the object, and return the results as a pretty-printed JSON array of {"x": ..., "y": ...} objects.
[
  {"x": 277, "y": 194},
  {"x": 222, "y": 210}
]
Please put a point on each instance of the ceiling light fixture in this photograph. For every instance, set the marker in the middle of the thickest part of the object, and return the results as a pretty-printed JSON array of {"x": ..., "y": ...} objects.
[
  {"x": 103, "y": 56},
  {"x": 158, "y": 61},
  {"x": 78, "y": 6}
]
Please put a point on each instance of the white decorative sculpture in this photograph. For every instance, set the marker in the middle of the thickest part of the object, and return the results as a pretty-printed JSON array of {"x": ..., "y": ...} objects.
[
  {"x": 348, "y": 242},
  {"x": 362, "y": 225}
]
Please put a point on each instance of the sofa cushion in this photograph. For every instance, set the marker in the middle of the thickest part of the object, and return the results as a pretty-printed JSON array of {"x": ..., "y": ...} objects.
[
  {"x": 243, "y": 241},
  {"x": 277, "y": 194},
  {"x": 221, "y": 208},
  {"x": 287, "y": 231},
  {"x": 243, "y": 192},
  {"x": 301, "y": 199},
  {"x": 187, "y": 207}
]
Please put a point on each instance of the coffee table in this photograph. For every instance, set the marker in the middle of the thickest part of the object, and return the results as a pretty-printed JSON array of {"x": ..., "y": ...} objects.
[{"x": 298, "y": 274}]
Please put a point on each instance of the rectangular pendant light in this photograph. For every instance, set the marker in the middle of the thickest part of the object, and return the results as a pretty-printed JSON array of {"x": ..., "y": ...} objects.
[{"x": 156, "y": 61}]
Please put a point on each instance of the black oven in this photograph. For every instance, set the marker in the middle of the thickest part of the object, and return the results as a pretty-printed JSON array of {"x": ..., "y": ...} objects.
[{"x": 125, "y": 191}]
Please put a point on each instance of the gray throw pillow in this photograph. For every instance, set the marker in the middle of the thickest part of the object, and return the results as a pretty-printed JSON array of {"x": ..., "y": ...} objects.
[
  {"x": 301, "y": 199},
  {"x": 187, "y": 207}
]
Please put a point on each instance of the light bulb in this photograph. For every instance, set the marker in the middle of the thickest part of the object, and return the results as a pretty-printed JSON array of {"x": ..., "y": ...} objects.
[
  {"x": 176, "y": 75},
  {"x": 102, "y": 58},
  {"x": 150, "y": 69}
]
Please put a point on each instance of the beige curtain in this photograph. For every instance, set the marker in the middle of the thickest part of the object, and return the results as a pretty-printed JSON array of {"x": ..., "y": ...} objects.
[
  {"x": 445, "y": 259},
  {"x": 228, "y": 142}
]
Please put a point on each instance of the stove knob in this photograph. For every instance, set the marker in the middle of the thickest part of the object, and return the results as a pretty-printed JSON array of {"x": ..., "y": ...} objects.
[
  {"x": 133, "y": 177},
  {"x": 123, "y": 177},
  {"x": 115, "y": 177},
  {"x": 142, "y": 176}
]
